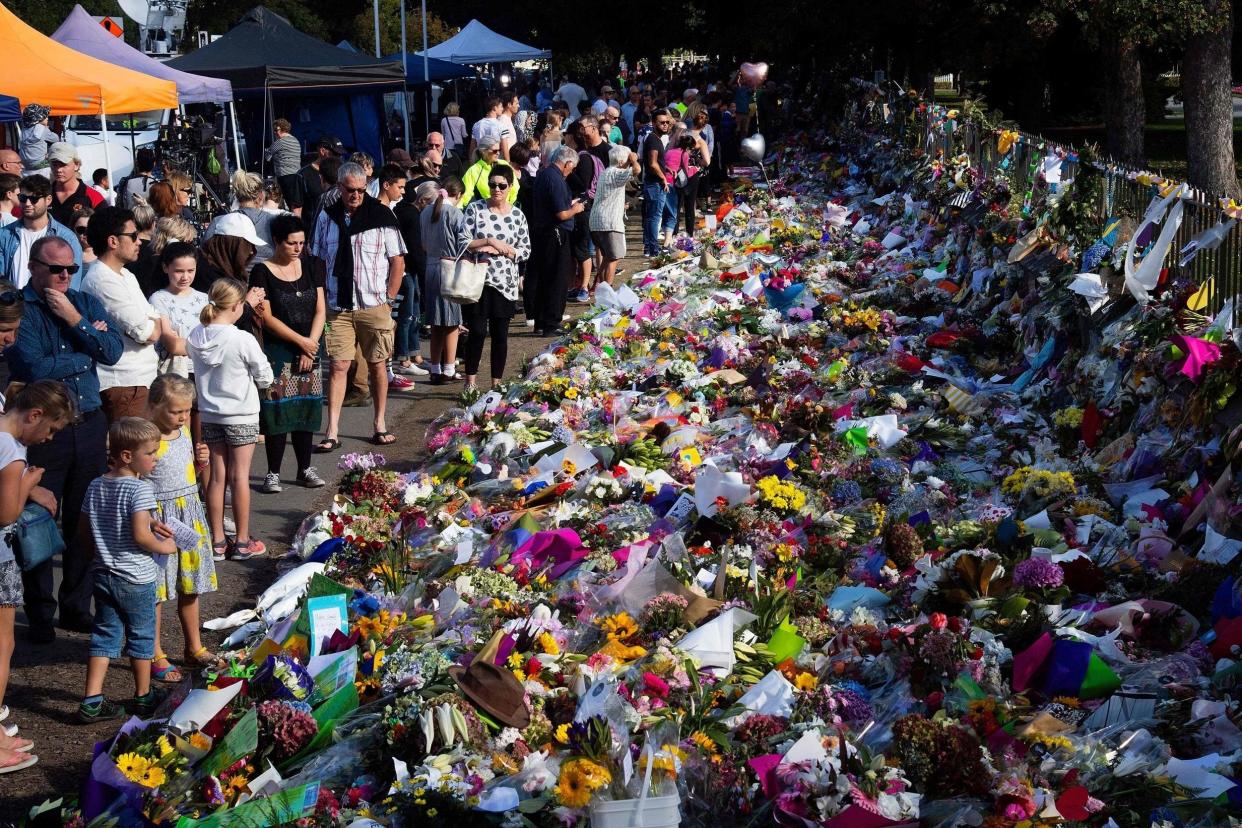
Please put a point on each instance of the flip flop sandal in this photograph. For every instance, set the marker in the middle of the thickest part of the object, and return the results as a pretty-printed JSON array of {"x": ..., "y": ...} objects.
[
  {"x": 4, "y": 712},
  {"x": 20, "y": 761},
  {"x": 378, "y": 438},
  {"x": 327, "y": 445},
  {"x": 25, "y": 748},
  {"x": 9, "y": 730},
  {"x": 165, "y": 674},
  {"x": 203, "y": 657}
]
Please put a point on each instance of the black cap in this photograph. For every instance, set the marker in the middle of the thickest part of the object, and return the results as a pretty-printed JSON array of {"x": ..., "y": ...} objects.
[{"x": 331, "y": 142}]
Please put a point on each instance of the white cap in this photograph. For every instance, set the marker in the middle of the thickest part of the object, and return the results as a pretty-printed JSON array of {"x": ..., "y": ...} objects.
[{"x": 235, "y": 224}]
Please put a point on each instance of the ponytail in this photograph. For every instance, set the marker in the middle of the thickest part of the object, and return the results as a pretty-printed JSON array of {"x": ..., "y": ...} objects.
[{"x": 225, "y": 293}]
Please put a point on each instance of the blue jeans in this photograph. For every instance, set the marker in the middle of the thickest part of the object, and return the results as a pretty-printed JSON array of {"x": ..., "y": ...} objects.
[
  {"x": 407, "y": 319},
  {"x": 124, "y": 612},
  {"x": 668, "y": 217},
  {"x": 653, "y": 211}
]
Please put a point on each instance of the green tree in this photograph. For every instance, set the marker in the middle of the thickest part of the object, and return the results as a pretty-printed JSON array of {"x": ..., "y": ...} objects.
[{"x": 390, "y": 28}]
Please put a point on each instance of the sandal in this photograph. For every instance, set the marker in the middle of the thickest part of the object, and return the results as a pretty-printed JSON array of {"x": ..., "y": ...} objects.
[
  {"x": 169, "y": 673},
  {"x": 16, "y": 745},
  {"x": 381, "y": 438},
  {"x": 12, "y": 761},
  {"x": 203, "y": 657},
  {"x": 219, "y": 549},
  {"x": 326, "y": 445},
  {"x": 245, "y": 550}
]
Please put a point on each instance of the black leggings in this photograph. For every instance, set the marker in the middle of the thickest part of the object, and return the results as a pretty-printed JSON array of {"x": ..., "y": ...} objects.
[
  {"x": 274, "y": 445},
  {"x": 497, "y": 327},
  {"x": 689, "y": 194}
]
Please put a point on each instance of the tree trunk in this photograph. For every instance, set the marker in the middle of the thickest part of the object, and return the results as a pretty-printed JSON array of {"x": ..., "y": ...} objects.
[
  {"x": 1125, "y": 111},
  {"x": 1208, "y": 97}
]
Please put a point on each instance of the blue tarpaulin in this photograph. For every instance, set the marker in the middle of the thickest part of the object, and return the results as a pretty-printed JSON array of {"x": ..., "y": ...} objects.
[{"x": 10, "y": 109}]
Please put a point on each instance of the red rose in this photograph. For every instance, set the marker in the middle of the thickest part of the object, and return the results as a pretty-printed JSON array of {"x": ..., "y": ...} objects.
[
  {"x": 938, "y": 621},
  {"x": 955, "y": 624},
  {"x": 934, "y": 700}
]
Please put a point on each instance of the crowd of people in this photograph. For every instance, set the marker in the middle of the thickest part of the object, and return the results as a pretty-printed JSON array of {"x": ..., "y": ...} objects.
[{"x": 148, "y": 354}]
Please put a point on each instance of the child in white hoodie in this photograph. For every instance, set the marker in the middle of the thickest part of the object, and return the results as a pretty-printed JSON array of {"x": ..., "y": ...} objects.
[{"x": 228, "y": 365}]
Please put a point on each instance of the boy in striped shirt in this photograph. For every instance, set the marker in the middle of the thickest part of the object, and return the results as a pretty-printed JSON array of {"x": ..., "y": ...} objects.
[{"x": 120, "y": 514}]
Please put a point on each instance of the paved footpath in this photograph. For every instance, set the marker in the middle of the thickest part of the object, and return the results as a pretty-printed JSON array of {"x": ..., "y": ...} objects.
[{"x": 46, "y": 682}]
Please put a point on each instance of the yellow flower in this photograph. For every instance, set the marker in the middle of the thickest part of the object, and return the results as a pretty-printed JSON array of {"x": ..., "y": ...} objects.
[
  {"x": 806, "y": 682},
  {"x": 153, "y": 777},
  {"x": 547, "y": 642},
  {"x": 571, "y": 393},
  {"x": 578, "y": 780},
  {"x": 619, "y": 627},
  {"x": 562, "y": 734},
  {"x": 133, "y": 766},
  {"x": 164, "y": 745},
  {"x": 704, "y": 743}
]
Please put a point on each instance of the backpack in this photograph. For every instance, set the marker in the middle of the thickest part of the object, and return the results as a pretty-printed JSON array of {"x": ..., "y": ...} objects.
[{"x": 598, "y": 167}]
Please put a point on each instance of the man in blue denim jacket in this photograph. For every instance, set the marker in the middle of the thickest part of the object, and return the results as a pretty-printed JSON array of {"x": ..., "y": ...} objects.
[
  {"x": 16, "y": 239},
  {"x": 62, "y": 337}
]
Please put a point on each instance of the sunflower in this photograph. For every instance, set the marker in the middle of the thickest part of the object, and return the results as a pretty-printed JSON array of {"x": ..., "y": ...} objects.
[
  {"x": 704, "y": 743},
  {"x": 133, "y": 766},
  {"x": 619, "y": 627}
]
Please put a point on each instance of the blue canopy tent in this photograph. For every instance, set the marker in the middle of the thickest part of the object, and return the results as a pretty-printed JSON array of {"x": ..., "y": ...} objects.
[
  {"x": 436, "y": 70},
  {"x": 10, "y": 109},
  {"x": 478, "y": 44}
]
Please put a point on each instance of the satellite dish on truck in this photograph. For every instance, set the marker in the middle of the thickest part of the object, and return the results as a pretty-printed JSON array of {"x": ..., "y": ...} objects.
[{"x": 160, "y": 25}]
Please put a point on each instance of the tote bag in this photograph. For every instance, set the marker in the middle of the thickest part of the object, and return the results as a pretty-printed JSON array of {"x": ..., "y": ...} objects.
[
  {"x": 35, "y": 537},
  {"x": 462, "y": 279}
]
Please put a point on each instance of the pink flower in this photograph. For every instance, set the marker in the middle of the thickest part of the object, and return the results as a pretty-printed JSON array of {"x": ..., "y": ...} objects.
[{"x": 655, "y": 686}]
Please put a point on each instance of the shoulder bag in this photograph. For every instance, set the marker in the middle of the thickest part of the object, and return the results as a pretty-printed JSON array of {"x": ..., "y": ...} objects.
[
  {"x": 35, "y": 538},
  {"x": 462, "y": 278}
]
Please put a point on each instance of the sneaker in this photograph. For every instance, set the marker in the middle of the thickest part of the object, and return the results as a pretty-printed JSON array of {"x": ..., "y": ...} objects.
[
  {"x": 530, "y": 323},
  {"x": 271, "y": 483},
  {"x": 100, "y": 711},
  {"x": 400, "y": 383},
  {"x": 230, "y": 525},
  {"x": 144, "y": 706},
  {"x": 245, "y": 551},
  {"x": 581, "y": 297},
  {"x": 412, "y": 369},
  {"x": 309, "y": 477}
]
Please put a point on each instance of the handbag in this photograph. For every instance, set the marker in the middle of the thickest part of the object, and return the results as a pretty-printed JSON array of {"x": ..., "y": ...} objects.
[
  {"x": 34, "y": 537},
  {"x": 462, "y": 278}
]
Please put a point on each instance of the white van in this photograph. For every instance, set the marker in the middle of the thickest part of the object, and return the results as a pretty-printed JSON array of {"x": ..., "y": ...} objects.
[{"x": 126, "y": 135}]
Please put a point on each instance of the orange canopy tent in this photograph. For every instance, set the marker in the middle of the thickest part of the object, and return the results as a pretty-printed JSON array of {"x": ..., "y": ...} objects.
[{"x": 40, "y": 70}]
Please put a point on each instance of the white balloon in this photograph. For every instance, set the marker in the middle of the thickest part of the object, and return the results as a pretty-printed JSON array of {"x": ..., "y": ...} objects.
[{"x": 754, "y": 147}]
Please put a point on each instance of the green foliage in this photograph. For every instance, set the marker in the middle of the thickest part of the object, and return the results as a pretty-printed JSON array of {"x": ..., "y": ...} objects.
[{"x": 363, "y": 35}]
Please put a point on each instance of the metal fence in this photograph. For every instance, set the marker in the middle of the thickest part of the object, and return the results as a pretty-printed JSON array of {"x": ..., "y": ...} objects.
[{"x": 1123, "y": 196}]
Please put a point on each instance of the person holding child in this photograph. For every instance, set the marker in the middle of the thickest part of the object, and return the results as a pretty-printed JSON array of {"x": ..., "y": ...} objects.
[
  {"x": 191, "y": 572},
  {"x": 228, "y": 364},
  {"x": 120, "y": 510},
  {"x": 32, "y": 417}
]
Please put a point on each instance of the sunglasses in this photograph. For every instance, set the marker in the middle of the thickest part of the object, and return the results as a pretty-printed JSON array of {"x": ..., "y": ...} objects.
[
  {"x": 436, "y": 166},
  {"x": 80, "y": 229},
  {"x": 10, "y": 297},
  {"x": 498, "y": 185},
  {"x": 28, "y": 199},
  {"x": 187, "y": 189},
  {"x": 131, "y": 236},
  {"x": 354, "y": 190},
  {"x": 57, "y": 270}
]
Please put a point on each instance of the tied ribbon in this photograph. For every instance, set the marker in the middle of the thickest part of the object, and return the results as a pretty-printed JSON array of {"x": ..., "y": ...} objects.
[{"x": 1006, "y": 140}]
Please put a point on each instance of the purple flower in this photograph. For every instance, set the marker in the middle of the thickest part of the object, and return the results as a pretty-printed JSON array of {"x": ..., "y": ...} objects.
[{"x": 1038, "y": 573}]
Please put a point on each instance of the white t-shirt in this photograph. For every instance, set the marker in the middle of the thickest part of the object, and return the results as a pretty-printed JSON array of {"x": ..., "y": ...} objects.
[
  {"x": 10, "y": 451},
  {"x": 507, "y": 133},
  {"x": 19, "y": 272},
  {"x": 572, "y": 94},
  {"x": 6, "y": 218},
  {"x": 487, "y": 127}
]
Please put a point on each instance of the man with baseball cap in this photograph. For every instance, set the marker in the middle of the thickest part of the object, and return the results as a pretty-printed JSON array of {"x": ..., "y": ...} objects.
[
  {"x": 69, "y": 194},
  {"x": 401, "y": 158},
  {"x": 329, "y": 146}
]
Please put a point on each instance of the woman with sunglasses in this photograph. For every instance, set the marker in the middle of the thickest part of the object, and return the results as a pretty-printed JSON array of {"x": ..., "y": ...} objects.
[
  {"x": 494, "y": 227},
  {"x": 79, "y": 229},
  {"x": 476, "y": 177}
]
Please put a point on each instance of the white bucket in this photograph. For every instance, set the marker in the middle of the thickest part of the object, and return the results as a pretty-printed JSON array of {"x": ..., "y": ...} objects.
[{"x": 652, "y": 812}]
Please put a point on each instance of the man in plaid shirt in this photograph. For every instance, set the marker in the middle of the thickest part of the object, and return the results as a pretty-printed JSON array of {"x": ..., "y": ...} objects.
[{"x": 360, "y": 243}]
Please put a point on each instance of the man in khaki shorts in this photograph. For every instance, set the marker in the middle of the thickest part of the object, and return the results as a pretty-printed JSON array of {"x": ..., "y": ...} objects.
[{"x": 360, "y": 243}]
